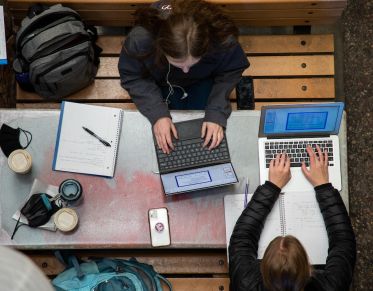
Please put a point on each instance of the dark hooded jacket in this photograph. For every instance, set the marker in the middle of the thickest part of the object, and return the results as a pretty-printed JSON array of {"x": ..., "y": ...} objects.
[
  {"x": 142, "y": 77},
  {"x": 244, "y": 267}
]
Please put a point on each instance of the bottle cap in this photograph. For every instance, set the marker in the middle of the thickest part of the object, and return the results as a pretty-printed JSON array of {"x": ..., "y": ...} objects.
[
  {"x": 20, "y": 161},
  {"x": 71, "y": 191},
  {"x": 66, "y": 219}
]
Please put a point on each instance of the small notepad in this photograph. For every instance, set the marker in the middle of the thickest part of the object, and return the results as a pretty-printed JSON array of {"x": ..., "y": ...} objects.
[
  {"x": 294, "y": 213},
  {"x": 78, "y": 151}
]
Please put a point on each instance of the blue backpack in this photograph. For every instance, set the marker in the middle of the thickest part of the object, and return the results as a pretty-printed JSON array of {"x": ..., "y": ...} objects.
[{"x": 110, "y": 275}]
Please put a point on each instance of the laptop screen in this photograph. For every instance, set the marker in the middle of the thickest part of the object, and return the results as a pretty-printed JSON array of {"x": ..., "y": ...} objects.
[{"x": 301, "y": 119}]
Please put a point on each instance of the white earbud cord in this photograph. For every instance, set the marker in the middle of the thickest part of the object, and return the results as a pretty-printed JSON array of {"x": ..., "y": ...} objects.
[{"x": 171, "y": 87}]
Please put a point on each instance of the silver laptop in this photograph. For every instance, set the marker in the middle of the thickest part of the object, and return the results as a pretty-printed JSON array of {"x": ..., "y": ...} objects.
[
  {"x": 190, "y": 167},
  {"x": 291, "y": 128}
]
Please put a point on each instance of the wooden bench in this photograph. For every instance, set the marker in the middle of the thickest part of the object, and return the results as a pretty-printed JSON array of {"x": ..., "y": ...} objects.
[
  {"x": 243, "y": 12},
  {"x": 285, "y": 69},
  {"x": 199, "y": 270}
]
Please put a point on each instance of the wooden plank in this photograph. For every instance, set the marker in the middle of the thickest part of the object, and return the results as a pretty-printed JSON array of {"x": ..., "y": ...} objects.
[
  {"x": 276, "y": 44},
  {"x": 315, "y": 65},
  {"x": 284, "y": 21},
  {"x": 268, "y": 14},
  {"x": 132, "y": 106},
  {"x": 199, "y": 284},
  {"x": 259, "y": 105},
  {"x": 302, "y": 88},
  {"x": 226, "y": 5},
  {"x": 126, "y": 106},
  {"x": 252, "y": 44},
  {"x": 180, "y": 262},
  {"x": 101, "y": 89}
]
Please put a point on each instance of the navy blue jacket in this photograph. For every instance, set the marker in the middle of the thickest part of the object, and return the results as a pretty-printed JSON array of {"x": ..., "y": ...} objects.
[
  {"x": 244, "y": 267},
  {"x": 142, "y": 78}
]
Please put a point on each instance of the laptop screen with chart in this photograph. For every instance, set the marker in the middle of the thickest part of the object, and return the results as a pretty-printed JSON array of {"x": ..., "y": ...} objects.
[{"x": 290, "y": 129}]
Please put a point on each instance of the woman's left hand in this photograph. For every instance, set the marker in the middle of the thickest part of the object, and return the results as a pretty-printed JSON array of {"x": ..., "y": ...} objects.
[{"x": 213, "y": 133}]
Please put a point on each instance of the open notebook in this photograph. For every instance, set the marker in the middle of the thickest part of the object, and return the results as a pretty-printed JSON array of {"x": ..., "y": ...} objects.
[
  {"x": 79, "y": 151},
  {"x": 294, "y": 213}
]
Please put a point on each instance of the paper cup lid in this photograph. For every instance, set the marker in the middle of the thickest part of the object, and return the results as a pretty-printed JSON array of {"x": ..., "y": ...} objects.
[
  {"x": 66, "y": 219},
  {"x": 20, "y": 161}
]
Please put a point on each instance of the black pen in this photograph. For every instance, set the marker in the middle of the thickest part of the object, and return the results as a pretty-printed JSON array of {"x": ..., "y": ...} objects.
[{"x": 104, "y": 142}]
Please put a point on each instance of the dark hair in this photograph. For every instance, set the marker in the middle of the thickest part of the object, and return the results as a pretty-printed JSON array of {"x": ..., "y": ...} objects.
[
  {"x": 285, "y": 265},
  {"x": 192, "y": 28}
]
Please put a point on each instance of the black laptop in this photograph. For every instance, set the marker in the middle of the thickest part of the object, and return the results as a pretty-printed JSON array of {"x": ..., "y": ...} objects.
[{"x": 190, "y": 166}]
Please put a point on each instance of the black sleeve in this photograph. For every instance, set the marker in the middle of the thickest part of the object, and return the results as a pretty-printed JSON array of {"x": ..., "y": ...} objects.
[
  {"x": 227, "y": 75},
  {"x": 342, "y": 245},
  {"x": 144, "y": 91},
  {"x": 243, "y": 246}
]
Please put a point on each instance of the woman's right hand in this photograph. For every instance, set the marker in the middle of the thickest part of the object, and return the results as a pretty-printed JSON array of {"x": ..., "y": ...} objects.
[
  {"x": 163, "y": 129},
  {"x": 317, "y": 173}
]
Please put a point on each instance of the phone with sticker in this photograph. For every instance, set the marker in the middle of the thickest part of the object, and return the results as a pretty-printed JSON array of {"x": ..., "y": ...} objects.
[{"x": 159, "y": 227}]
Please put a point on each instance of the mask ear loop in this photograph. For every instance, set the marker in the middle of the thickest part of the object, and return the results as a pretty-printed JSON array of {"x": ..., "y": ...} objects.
[
  {"x": 18, "y": 225},
  {"x": 28, "y": 136}
]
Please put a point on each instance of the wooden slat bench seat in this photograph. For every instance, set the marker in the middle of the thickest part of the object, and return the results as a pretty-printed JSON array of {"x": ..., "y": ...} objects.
[
  {"x": 284, "y": 68},
  {"x": 198, "y": 270},
  {"x": 243, "y": 12}
]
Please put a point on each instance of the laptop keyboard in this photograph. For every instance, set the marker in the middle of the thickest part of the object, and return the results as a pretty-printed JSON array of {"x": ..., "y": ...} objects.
[
  {"x": 296, "y": 150},
  {"x": 190, "y": 154}
]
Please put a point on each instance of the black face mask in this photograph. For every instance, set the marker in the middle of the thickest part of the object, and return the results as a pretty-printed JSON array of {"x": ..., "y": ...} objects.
[
  {"x": 37, "y": 210},
  {"x": 9, "y": 139}
]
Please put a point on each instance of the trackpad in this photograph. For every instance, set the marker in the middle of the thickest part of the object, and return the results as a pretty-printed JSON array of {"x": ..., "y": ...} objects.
[{"x": 197, "y": 179}]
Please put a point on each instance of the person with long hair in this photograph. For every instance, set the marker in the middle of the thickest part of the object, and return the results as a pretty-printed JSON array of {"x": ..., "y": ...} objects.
[
  {"x": 182, "y": 55},
  {"x": 285, "y": 265}
]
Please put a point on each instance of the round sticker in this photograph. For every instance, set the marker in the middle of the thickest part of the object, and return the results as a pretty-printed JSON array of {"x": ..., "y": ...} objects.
[{"x": 159, "y": 226}]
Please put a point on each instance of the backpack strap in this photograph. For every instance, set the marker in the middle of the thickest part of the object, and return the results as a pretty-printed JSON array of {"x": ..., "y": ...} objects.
[
  {"x": 164, "y": 280},
  {"x": 92, "y": 31},
  {"x": 69, "y": 261},
  {"x": 36, "y": 9}
]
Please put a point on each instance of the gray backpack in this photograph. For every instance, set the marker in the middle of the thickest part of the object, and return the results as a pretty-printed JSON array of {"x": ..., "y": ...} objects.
[{"x": 56, "y": 54}]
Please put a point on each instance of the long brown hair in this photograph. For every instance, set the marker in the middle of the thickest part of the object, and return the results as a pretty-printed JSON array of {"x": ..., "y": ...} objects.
[
  {"x": 192, "y": 28},
  {"x": 285, "y": 265}
]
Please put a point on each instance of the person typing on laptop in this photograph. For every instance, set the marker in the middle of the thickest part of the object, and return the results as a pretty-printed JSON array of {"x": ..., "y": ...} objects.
[
  {"x": 182, "y": 55},
  {"x": 285, "y": 264}
]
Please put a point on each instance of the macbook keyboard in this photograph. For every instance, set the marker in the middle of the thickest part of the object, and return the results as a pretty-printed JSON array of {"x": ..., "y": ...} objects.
[
  {"x": 191, "y": 154},
  {"x": 296, "y": 150}
]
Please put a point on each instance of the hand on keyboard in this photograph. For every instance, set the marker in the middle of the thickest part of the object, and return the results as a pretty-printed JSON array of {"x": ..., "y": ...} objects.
[
  {"x": 317, "y": 173},
  {"x": 279, "y": 170},
  {"x": 163, "y": 129},
  {"x": 213, "y": 134}
]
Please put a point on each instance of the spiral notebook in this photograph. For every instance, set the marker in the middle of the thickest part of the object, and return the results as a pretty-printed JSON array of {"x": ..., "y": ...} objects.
[
  {"x": 294, "y": 213},
  {"x": 91, "y": 152}
]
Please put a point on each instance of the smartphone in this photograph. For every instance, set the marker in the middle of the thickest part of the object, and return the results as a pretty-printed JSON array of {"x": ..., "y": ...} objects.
[{"x": 159, "y": 227}]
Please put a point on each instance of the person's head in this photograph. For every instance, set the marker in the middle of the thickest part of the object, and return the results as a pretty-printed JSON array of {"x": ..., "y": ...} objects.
[
  {"x": 19, "y": 273},
  {"x": 188, "y": 32},
  {"x": 285, "y": 265}
]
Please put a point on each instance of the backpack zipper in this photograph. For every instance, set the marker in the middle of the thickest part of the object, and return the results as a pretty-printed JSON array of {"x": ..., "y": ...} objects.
[
  {"x": 31, "y": 36},
  {"x": 59, "y": 64},
  {"x": 65, "y": 13},
  {"x": 72, "y": 43}
]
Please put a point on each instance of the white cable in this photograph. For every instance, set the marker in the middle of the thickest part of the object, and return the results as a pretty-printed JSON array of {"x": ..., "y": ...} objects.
[{"x": 171, "y": 87}]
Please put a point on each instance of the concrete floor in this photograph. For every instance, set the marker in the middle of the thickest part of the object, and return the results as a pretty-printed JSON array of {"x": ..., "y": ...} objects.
[{"x": 357, "y": 31}]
